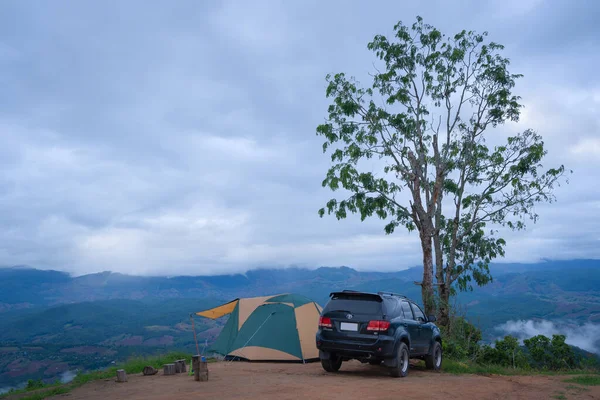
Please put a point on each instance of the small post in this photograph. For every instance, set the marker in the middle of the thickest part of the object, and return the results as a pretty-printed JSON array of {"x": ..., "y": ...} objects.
[
  {"x": 196, "y": 367},
  {"x": 203, "y": 371},
  {"x": 121, "y": 375},
  {"x": 182, "y": 367},
  {"x": 169, "y": 369},
  {"x": 177, "y": 367},
  {"x": 194, "y": 329},
  {"x": 200, "y": 367}
]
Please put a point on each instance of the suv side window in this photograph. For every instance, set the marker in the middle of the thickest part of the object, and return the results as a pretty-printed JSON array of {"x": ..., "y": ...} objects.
[
  {"x": 408, "y": 314},
  {"x": 418, "y": 313},
  {"x": 392, "y": 308}
]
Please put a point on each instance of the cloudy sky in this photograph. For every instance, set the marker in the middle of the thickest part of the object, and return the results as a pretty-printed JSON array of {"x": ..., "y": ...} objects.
[{"x": 172, "y": 137}]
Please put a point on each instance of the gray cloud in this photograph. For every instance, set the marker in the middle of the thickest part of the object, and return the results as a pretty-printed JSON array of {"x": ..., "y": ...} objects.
[{"x": 180, "y": 138}]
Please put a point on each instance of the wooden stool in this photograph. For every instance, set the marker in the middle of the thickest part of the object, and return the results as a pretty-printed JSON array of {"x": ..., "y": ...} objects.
[{"x": 200, "y": 367}]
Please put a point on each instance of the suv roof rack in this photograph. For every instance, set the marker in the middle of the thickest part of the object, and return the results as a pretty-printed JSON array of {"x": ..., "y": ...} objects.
[{"x": 392, "y": 294}]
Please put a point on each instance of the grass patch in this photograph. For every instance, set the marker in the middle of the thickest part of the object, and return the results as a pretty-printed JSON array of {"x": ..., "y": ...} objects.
[
  {"x": 466, "y": 367},
  {"x": 42, "y": 394},
  {"x": 132, "y": 366},
  {"x": 587, "y": 380},
  {"x": 560, "y": 396},
  {"x": 576, "y": 389}
]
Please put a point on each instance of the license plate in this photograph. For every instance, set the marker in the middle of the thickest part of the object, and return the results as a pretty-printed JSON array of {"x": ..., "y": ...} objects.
[{"x": 345, "y": 326}]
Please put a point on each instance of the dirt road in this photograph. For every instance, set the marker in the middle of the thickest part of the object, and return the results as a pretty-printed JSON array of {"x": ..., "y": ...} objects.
[{"x": 354, "y": 381}]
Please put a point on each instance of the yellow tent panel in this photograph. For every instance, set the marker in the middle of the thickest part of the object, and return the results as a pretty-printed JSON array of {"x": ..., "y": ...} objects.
[{"x": 219, "y": 311}]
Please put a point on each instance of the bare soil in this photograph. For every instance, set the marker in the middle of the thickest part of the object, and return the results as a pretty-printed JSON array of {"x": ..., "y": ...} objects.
[{"x": 236, "y": 380}]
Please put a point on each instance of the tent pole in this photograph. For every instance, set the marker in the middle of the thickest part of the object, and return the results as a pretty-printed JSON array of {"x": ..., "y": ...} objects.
[{"x": 195, "y": 338}]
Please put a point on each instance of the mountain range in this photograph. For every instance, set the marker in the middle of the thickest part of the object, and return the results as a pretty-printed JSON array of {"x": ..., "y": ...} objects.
[{"x": 51, "y": 322}]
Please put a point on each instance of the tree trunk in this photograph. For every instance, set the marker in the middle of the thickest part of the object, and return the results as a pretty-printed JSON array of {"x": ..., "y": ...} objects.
[
  {"x": 427, "y": 283},
  {"x": 444, "y": 306}
]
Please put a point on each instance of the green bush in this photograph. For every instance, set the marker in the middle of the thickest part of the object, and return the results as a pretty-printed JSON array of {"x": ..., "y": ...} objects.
[
  {"x": 506, "y": 353},
  {"x": 461, "y": 340},
  {"x": 34, "y": 384},
  {"x": 551, "y": 354}
]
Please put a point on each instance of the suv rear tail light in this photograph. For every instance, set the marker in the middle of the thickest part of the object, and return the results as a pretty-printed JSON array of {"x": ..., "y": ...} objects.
[
  {"x": 325, "y": 322},
  {"x": 378, "y": 326}
]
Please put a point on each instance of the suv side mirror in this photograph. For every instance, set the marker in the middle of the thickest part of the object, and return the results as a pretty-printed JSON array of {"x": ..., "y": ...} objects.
[{"x": 431, "y": 318}]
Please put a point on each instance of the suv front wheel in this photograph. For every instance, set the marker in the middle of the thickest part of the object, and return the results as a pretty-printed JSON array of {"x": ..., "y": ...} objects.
[
  {"x": 402, "y": 361},
  {"x": 332, "y": 364}
]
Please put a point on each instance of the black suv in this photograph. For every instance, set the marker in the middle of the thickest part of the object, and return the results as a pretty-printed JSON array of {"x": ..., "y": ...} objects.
[{"x": 376, "y": 328}]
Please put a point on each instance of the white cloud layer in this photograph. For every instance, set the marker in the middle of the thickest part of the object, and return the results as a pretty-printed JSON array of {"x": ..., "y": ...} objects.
[
  {"x": 180, "y": 138},
  {"x": 586, "y": 336}
]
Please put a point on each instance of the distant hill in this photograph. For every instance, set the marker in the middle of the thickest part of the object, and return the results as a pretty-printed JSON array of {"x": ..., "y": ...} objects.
[
  {"x": 22, "y": 287},
  {"x": 25, "y": 287},
  {"x": 568, "y": 290},
  {"x": 51, "y": 322}
]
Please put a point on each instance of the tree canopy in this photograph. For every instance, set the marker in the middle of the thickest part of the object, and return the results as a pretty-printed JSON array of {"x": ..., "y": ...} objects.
[{"x": 425, "y": 119}]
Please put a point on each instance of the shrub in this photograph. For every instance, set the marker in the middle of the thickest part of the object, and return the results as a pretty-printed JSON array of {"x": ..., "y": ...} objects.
[
  {"x": 551, "y": 354},
  {"x": 506, "y": 352},
  {"x": 34, "y": 384},
  {"x": 461, "y": 339}
]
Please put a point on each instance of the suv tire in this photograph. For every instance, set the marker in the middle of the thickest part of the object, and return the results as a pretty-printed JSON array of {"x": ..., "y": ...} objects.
[
  {"x": 332, "y": 364},
  {"x": 402, "y": 361},
  {"x": 434, "y": 360}
]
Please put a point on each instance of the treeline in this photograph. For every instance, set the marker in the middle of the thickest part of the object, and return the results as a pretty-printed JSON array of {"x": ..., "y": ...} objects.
[{"x": 462, "y": 342}]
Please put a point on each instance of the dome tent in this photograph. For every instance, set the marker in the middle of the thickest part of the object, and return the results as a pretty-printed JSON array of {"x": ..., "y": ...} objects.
[{"x": 271, "y": 328}]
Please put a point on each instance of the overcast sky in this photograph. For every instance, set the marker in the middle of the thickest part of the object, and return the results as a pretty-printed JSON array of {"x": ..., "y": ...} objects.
[{"x": 178, "y": 137}]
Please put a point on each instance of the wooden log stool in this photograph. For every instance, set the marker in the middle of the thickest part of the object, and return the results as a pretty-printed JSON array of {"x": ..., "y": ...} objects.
[
  {"x": 121, "y": 375},
  {"x": 200, "y": 367},
  {"x": 149, "y": 370},
  {"x": 169, "y": 369},
  {"x": 182, "y": 367}
]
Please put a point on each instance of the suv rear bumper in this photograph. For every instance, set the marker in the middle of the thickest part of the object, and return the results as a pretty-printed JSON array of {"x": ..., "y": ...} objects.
[{"x": 382, "y": 348}]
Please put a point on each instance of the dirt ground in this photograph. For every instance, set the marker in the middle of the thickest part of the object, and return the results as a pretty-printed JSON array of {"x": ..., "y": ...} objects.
[{"x": 235, "y": 380}]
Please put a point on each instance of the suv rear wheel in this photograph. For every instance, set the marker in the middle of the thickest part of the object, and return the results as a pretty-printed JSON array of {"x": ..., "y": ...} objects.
[
  {"x": 332, "y": 364},
  {"x": 434, "y": 360},
  {"x": 402, "y": 359}
]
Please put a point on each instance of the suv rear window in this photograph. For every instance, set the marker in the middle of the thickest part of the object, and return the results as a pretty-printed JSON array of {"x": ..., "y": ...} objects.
[{"x": 355, "y": 303}]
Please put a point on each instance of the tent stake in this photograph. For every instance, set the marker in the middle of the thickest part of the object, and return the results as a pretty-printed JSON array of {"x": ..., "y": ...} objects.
[{"x": 195, "y": 339}]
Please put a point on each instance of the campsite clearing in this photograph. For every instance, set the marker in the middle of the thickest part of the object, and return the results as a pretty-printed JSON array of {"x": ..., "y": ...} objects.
[{"x": 241, "y": 380}]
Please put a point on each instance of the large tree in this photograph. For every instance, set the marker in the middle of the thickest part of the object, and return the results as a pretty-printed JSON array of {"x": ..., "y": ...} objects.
[{"x": 424, "y": 121}]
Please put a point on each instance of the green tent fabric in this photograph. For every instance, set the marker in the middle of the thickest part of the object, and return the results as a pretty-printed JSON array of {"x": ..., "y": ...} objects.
[
  {"x": 270, "y": 328},
  {"x": 228, "y": 334},
  {"x": 294, "y": 299}
]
